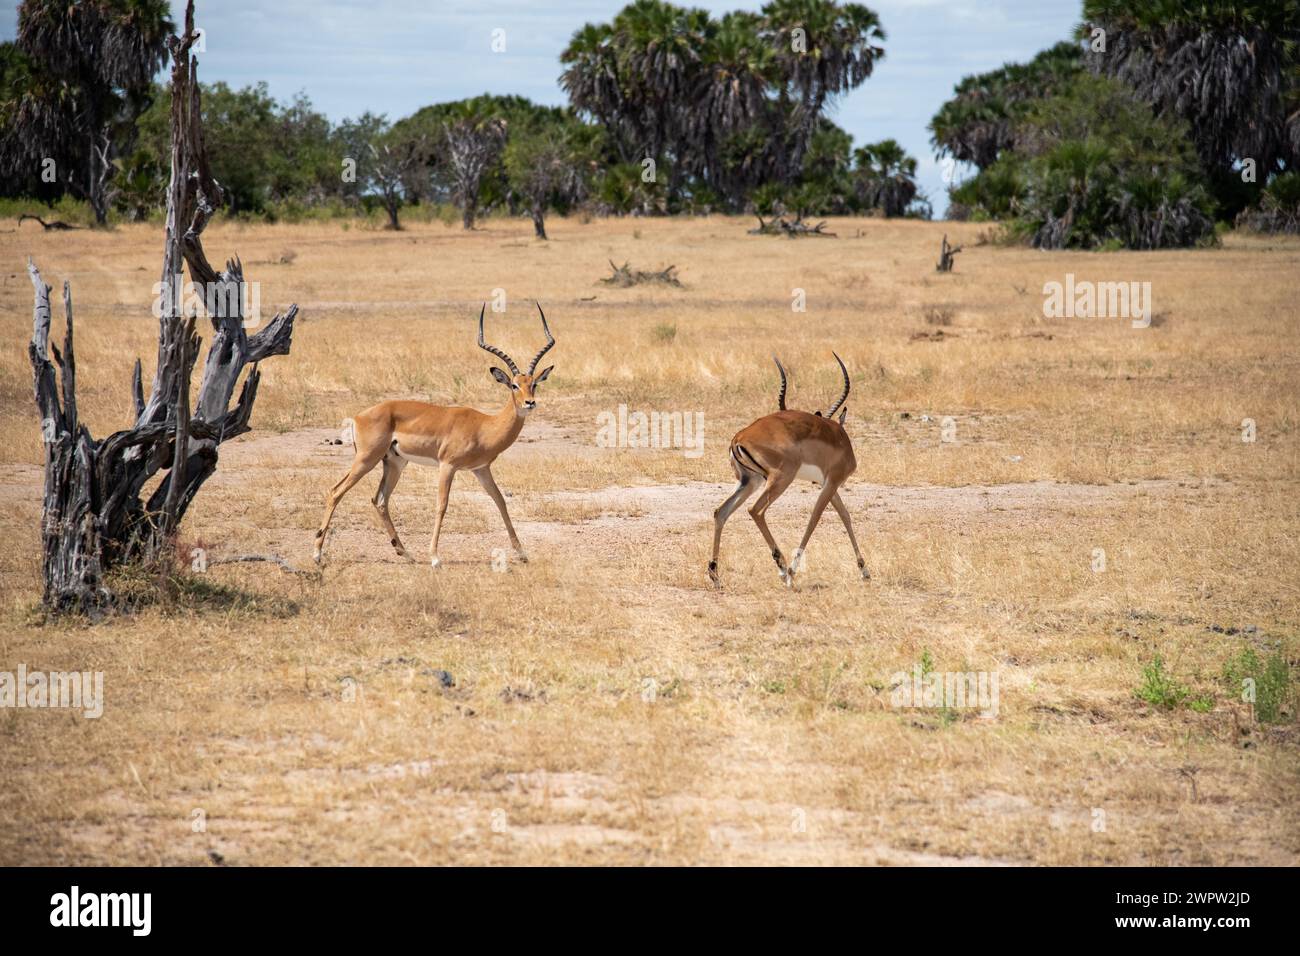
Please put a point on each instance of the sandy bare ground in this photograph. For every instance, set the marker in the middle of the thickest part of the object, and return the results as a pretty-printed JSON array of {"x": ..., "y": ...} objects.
[{"x": 612, "y": 521}]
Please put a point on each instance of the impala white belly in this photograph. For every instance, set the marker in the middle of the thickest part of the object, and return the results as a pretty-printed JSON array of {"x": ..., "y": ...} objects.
[
  {"x": 414, "y": 459},
  {"x": 811, "y": 473}
]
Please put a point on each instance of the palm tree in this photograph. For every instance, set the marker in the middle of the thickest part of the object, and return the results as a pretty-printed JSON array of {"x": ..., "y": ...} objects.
[
  {"x": 591, "y": 80},
  {"x": 738, "y": 69},
  {"x": 659, "y": 51},
  {"x": 886, "y": 177},
  {"x": 1231, "y": 70},
  {"x": 730, "y": 103},
  {"x": 837, "y": 53},
  {"x": 36, "y": 107},
  {"x": 93, "y": 63}
]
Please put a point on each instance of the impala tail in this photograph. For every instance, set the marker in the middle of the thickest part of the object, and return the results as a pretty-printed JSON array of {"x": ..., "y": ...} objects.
[{"x": 745, "y": 462}]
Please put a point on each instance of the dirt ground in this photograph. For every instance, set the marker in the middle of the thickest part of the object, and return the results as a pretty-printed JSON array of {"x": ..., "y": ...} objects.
[{"x": 604, "y": 703}]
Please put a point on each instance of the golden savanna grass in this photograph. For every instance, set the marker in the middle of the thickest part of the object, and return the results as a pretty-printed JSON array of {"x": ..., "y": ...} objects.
[{"x": 608, "y": 705}]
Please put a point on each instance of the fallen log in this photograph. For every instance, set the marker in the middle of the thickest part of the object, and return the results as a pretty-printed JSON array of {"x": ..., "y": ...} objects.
[
  {"x": 624, "y": 276},
  {"x": 790, "y": 228},
  {"x": 56, "y": 226}
]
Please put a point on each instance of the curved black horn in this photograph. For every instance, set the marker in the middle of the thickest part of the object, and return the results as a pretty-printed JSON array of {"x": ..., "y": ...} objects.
[
  {"x": 490, "y": 348},
  {"x": 780, "y": 399},
  {"x": 846, "y": 387},
  {"x": 550, "y": 340}
]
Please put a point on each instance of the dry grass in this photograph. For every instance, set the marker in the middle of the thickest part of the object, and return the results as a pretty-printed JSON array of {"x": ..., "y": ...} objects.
[{"x": 610, "y": 707}]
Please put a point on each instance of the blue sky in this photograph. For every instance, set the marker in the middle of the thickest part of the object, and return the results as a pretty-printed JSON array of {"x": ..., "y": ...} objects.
[{"x": 394, "y": 56}]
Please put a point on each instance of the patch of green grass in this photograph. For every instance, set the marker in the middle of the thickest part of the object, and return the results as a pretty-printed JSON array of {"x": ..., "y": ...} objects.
[
  {"x": 1264, "y": 683},
  {"x": 947, "y": 715},
  {"x": 1161, "y": 689},
  {"x": 664, "y": 333}
]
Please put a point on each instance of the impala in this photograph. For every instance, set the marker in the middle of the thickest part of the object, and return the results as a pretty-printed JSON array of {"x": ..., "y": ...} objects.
[
  {"x": 448, "y": 438},
  {"x": 773, "y": 452}
]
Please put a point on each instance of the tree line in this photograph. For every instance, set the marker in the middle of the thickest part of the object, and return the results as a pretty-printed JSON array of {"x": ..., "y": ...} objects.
[
  {"x": 1157, "y": 123},
  {"x": 1158, "y": 120},
  {"x": 671, "y": 111}
]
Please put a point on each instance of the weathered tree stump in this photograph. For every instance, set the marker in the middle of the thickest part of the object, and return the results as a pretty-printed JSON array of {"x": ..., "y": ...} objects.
[
  {"x": 946, "y": 254},
  {"x": 94, "y": 517}
]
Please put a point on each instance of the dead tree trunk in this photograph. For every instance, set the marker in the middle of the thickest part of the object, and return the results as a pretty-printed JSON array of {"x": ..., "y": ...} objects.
[
  {"x": 94, "y": 517},
  {"x": 946, "y": 254}
]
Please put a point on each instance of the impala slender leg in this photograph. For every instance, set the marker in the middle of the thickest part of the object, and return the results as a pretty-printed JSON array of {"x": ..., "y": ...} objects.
[
  {"x": 823, "y": 499},
  {"x": 360, "y": 468},
  {"x": 446, "y": 473},
  {"x": 484, "y": 476},
  {"x": 843, "y": 512},
  {"x": 777, "y": 483},
  {"x": 748, "y": 485},
  {"x": 393, "y": 466}
]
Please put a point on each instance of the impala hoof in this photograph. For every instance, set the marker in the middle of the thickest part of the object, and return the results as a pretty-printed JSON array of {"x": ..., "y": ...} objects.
[
  {"x": 521, "y": 557},
  {"x": 435, "y": 563},
  {"x": 713, "y": 571}
]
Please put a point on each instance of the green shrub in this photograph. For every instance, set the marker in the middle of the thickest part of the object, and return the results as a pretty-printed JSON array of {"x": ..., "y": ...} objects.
[
  {"x": 1279, "y": 207},
  {"x": 1267, "y": 682},
  {"x": 995, "y": 193},
  {"x": 1161, "y": 689},
  {"x": 1093, "y": 168}
]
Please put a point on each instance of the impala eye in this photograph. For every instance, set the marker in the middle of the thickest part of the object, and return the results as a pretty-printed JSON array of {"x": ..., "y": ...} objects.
[{"x": 514, "y": 386}]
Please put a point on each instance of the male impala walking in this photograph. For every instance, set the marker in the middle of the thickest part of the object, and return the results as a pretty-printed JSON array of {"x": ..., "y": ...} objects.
[{"x": 447, "y": 438}]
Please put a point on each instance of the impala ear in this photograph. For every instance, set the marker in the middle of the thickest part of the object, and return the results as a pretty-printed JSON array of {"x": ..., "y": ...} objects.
[
  {"x": 545, "y": 372},
  {"x": 844, "y": 414},
  {"x": 499, "y": 375}
]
